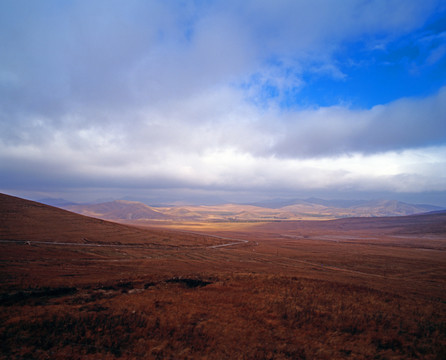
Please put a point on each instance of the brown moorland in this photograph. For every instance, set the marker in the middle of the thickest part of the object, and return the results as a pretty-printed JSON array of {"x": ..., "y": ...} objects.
[{"x": 73, "y": 287}]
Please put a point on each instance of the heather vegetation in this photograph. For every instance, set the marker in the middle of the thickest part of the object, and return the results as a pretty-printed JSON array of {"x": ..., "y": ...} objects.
[
  {"x": 241, "y": 316},
  {"x": 346, "y": 289}
]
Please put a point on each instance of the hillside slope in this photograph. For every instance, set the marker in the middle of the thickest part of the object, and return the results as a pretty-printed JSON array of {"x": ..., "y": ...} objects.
[
  {"x": 26, "y": 220},
  {"x": 311, "y": 209},
  {"x": 119, "y": 209}
]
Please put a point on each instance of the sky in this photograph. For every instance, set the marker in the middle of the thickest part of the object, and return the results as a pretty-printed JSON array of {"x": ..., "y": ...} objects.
[{"x": 223, "y": 101}]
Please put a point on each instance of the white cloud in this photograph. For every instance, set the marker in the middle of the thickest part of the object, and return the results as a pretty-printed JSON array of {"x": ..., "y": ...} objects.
[
  {"x": 216, "y": 140},
  {"x": 405, "y": 123},
  {"x": 109, "y": 55},
  {"x": 231, "y": 150},
  {"x": 150, "y": 94}
]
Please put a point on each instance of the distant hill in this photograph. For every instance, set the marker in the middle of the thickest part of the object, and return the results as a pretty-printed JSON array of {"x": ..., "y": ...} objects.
[
  {"x": 29, "y": 221},
  {"x": 59, "y": 202},
  {"x": 32, "y": 221},
  {"x": 279, "y": 203},
  {"x": 119, "y": 210},
  {"x": 345, "y": 204},
  {"x": 390, "y": 208},
  {"x": 436, "y": 212},
  {"x": 313, "y": 208}
]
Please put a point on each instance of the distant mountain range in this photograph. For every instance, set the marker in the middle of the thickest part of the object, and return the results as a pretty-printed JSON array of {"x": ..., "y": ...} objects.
[
  {"x": 279, "y": 203},
  {"x": 118, "y": 210},
  {"x": 267, "y": 211}
]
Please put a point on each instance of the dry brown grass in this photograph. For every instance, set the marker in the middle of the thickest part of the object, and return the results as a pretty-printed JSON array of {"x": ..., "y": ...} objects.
[
  {"x": 234, "y": 317},
  {"x": 334, "y": 290}
]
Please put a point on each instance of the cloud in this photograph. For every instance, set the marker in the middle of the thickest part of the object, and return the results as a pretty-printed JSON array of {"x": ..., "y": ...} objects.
[
  {"x": 61, "y": 57},
  {"x": 227, "y": 144},
  {"x": 405, "y": 123},
  {"x": 194, "y": 95}
]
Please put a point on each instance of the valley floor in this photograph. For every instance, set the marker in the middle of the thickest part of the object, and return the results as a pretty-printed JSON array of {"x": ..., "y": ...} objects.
[{"x": 326, "y": 290}]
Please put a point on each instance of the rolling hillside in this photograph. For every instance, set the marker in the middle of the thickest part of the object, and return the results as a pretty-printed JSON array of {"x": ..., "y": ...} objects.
[
  {"x": 120, "y": 209},
  {"x": 358, "y": 288},
  {"x": 311, "y": 209},
  {"x": 24, "y": 220}
]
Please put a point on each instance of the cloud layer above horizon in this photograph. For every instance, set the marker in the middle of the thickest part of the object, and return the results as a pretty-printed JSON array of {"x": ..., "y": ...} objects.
[{"x": 237, "y": 96}]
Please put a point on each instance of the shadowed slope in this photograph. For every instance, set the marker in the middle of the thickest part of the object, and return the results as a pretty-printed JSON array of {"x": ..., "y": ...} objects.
[{"x": 31, "y": 221}]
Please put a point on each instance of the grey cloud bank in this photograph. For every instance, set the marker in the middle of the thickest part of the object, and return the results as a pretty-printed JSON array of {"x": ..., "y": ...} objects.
[
  {"x": 150, "y": 96},
  {"x": 405, "y": 123}
]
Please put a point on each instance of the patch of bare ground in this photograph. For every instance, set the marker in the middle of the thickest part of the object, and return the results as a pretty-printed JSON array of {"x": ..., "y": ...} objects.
[{"x": 284, "y": 290}]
